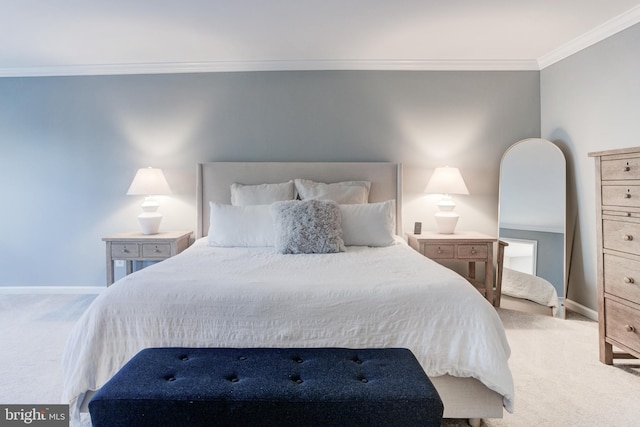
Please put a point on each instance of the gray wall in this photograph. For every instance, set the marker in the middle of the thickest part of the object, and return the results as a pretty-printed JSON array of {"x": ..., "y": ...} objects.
[
  {"x": 591, "y": 102},
  {"x": 71, "y": 145}
]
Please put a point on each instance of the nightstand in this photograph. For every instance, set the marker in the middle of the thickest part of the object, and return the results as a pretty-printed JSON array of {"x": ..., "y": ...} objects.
[
  {"x": 135, "y": 246},
  {"x": 467, "y": 246}
]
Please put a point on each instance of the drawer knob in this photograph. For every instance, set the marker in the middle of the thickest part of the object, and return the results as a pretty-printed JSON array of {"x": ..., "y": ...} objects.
[
  {"x": 627, "y": 195},
  {"x": 627, "y": 237},
  {"x": 473, "y": 251},
  {"x": 156, "y": 250},
  {"x": 125, "y": 250},
  {"x": 628, "y": 280},
  {"x": 626, "y": 169},
  {"x": 439, "y": 250},
  {"x": 629, "y": 328}
]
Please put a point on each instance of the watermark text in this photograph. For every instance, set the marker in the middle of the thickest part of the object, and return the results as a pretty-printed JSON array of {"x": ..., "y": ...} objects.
[{"x": 34, "y": 415}]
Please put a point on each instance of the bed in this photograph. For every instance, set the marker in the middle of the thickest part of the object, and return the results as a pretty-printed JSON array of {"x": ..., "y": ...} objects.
[
  {"x": 529, "y": 293},
  {"x": 253, "y": 296}
]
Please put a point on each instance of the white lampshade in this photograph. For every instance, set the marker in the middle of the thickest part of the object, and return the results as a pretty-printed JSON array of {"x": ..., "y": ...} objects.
[
  {"x": 149, "y": 182},
  {"x": 446, "y": 181}
]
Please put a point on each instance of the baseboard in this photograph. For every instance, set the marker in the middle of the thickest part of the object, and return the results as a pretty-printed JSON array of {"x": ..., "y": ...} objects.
[
  {"x": 51, "y": 289},
  {"x": 581, "y": 309}
]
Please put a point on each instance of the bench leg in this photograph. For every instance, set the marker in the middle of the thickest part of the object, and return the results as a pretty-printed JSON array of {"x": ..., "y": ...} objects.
[{"x": 475, "y": 422}]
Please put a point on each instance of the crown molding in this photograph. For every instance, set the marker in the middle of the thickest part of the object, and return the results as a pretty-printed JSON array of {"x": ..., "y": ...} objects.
[
  {"x": 599, "y": 33},
  {"x": 609, "y": 28},
  {"x": 276, "y": 65}
]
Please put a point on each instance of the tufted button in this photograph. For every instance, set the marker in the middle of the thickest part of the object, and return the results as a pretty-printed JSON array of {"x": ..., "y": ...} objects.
[
  {"x": 233, "y": 378},
  {"x": 364, "y": 380},
  {"x": 297, "y": 359},
  {"x": 184, "y": 358},
  {"x": 356, "y": 360},
  {"x": 242, "y": 358},
  {"x": 170, "y": 378},
  {"x": 296, "y": 379}
]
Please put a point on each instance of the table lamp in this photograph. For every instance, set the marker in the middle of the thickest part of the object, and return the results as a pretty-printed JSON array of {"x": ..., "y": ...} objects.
[
  {"x": 149, "y": 182},
  {"x": 446, "y": 181}
]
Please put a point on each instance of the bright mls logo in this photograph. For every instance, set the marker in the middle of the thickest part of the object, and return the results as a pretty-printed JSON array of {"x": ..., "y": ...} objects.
[{"x": 34, "y": 415}]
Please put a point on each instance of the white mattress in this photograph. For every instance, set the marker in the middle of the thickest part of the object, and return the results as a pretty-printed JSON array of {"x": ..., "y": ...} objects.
[{"x": 253, "y": 297}]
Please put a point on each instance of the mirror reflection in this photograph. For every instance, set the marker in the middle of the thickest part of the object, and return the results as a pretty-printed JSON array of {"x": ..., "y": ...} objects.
[{"x": 532, "y": 227}]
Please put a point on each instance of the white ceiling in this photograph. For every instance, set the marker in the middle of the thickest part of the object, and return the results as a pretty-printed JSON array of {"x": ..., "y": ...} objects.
[{"x": 75, "y": 37}]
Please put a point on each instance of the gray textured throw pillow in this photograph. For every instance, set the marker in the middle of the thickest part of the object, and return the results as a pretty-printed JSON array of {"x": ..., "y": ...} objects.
[{"x": 307, "y": 227}]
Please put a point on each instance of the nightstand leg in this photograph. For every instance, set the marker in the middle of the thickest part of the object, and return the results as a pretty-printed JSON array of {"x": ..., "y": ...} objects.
[
  {"x": 488, "y": 281},
  {"x": 110, "y": 272},
  {"x": 472, "y": 270}
]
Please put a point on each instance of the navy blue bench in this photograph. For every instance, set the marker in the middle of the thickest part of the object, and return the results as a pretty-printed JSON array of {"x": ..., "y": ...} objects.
[{"x": 268, "y": 387}]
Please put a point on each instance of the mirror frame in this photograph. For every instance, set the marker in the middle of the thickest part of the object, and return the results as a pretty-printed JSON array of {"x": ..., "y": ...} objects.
[{"x": 564, "y": 219}]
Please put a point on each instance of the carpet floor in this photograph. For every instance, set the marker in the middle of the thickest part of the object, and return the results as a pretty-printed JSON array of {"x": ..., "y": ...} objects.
[{"x": 558, "y": 378}]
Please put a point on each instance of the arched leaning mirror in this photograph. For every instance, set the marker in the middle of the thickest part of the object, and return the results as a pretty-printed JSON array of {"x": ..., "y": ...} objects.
[{"x": 533, "y": 228}]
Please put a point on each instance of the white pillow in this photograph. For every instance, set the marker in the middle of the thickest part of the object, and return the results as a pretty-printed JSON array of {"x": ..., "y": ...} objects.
[
  {"x": 240, "y": 226},
  {"x": 348, "y": 192},
  {"x": 373, "y": 224},
  {"x": 262, "y": 194}
]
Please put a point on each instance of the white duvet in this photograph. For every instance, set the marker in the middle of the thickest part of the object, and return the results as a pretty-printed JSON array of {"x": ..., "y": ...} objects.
[
  {"x": 522, "y": 285},
  {"x": 253, "y": 297}
]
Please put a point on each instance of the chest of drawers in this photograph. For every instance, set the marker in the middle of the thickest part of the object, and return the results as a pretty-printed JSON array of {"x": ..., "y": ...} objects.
[{"x": 618, "y": 223}]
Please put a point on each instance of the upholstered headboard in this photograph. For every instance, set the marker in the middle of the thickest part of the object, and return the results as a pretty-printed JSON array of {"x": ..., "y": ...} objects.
[{"x": 214, "y": 181}]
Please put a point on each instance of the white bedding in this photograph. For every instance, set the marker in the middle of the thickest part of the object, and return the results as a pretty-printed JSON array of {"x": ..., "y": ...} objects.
[
  {"x": 522, "y": 285},
  {"x": 253, "y": 297}
]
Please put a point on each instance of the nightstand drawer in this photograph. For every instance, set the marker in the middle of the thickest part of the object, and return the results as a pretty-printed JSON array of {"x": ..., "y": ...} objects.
[
  {"x": 621, "y": 236},
  {"x": 622, "y": 277},
  {"x": 150, "y": 250},
  {"x": 622, "y": 324},
  {"x": 439, "y": 251},
  {"x": 123, "y": 251},
  {"x": 621, "y": 195},
  {"x": 472, "y": 251}
]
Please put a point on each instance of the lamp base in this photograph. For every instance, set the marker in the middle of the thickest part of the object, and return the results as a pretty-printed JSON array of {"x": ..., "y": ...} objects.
[
  {"x": 446, "y": 222},
  {"x": 149, "y": 222},
  {"x": 150, "y": 218}
]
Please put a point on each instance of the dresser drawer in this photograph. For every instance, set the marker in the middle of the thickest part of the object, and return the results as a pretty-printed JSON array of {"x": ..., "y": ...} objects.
[
  {"x": 123, "y": 251},
  {"x": 621, "y": 236},
  {"x": 622, "y": 324},
  {"x": 472, "y": 251},
  {"x": 622, "y": 277},
  {"x": 150, "y": 250},
  {"x": 439, "y": 251},
  {"x": 621, "y": 195},
  {"x": 618, "y": 169}
]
